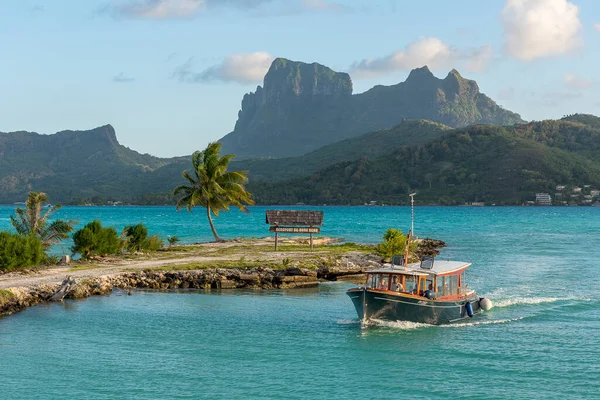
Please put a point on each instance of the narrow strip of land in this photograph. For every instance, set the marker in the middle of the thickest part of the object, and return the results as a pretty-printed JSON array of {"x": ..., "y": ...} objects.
[{"x": 245, "y": 253}]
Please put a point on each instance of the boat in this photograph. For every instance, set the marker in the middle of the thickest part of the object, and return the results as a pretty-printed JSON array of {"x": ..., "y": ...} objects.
[{"x": 429, "y": 292}]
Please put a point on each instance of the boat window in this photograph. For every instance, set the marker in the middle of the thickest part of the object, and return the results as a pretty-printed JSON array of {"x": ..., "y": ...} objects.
[
  {"x": 397, "y": 283},
  {"x": 439, "y": 289},
  {"x": 452, "y": 282},
  {"x": 379, "y": 281},
  {"x": 411, "y": 284},
  {"x": 371, "y": 281},
  {"x": 429, "y": 284}
]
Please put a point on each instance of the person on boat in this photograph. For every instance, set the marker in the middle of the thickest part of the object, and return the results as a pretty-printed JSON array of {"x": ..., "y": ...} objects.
[
  {"x": 396, "y": 284},
  {"x": 383, "y": 284}
]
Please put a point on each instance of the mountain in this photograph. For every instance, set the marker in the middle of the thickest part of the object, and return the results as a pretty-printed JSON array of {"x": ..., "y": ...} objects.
[
  {"x": 75, "y": 164},
  {"x": 478, "y": 163},
  {"x": 370, "y": 145},
  {"x": 302, "y": 107},
  {"x": 499, "y": 164}
]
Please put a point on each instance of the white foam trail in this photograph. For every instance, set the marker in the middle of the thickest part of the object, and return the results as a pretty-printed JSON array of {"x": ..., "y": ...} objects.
[
  {"x": 402, "y": 325},
  {"x": 485, "y": 322},
  {"x": 533, "y": 300}
]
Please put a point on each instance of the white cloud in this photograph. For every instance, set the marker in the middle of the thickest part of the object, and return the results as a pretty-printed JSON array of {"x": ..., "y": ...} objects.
[
  {"x": 240, "y": 68},
  {"x": 160, "y": 9},
  {"x": 428, "y": 51},
  {"x": 597, "y": 27},
  {"x": 540, "y": 28},
  {"x": 574, "y": 82}
]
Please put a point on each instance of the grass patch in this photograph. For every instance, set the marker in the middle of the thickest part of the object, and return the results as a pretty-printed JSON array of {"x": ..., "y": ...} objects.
[
  {"x": 5, "y": 296},
  {"x": 86, "y": 266}
]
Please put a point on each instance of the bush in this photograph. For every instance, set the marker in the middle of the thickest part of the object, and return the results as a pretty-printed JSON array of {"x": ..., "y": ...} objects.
[
  {"x": 173, "y": 240},
  {"x": 18, "y": 251},
  {"x": 394, "y": 242},
  {"x": 136, "y": 237},
  {"x": 94, "y": 240},
  {"x": 152, "y": 243}
]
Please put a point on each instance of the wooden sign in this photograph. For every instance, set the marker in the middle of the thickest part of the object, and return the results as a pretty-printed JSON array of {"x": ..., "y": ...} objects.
[
  {"x": 294, "y": 221},
  {"x": 294, "y": 229}
]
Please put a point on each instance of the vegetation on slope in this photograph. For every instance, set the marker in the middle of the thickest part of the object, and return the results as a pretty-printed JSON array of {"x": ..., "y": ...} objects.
[
  {"x": 480, "y": 163},
  {"x": 370, "y": 145}
]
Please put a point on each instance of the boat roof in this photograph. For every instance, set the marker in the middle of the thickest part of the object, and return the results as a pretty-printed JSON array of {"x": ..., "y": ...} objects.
[{"x": 440, "y": 267}]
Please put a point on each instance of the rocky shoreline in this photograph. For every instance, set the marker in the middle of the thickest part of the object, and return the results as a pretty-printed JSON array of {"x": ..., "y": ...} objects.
[{"x": 352, "y": 268}]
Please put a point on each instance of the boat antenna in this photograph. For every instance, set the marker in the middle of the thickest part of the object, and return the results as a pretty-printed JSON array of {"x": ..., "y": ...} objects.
[
  {"x": 407, "y": 249},
  {"x": 412, "y": 213}
]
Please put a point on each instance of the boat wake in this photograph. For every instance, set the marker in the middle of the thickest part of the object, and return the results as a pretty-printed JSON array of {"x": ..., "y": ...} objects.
[
  {"x": 407, "y": 325},
  {"x": 400, "y": 325},
  {"x": 480, "y": 322},
  {"x": 508, "y": 302}
]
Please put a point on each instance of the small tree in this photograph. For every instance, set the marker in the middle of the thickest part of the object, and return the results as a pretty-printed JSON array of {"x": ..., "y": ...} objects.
[
  {"x": 173, "y": 240},
  {"x": 31, "y": 221},
  {"x": 135, "y": 236},
  {"x": 17, "y": 251},
  {"x": 152, "y": 243},
  {"x": 94, "y": 240},
  {"x": 394, "y": 242}
]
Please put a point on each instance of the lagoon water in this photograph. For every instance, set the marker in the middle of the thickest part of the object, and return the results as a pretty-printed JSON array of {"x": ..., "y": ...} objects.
[{"x": 540, "y": 266}]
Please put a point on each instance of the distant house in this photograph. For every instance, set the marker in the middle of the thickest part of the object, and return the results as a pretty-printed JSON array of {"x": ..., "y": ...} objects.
[
  {"x": 576, "y": 189},
  {"x": 543, "y": 199},
  {"x": 595, "y": 193},
  {"x": 587, "y": 186},
  {"x": 588, "y": 197},
  {"x": 560, "y": 187},
  {"x": 558, "y": 195}
]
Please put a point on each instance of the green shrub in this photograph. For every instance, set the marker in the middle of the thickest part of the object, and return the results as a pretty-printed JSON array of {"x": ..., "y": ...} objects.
[
  {"x": 152, "y": 243},
  {"x": 173, "y": 240},
  {"x": 135, "y": 237},
  {"x": 94, "y": 240},
  {"x": 18, "y": 251},
  {"x": 394, "y": 242}
]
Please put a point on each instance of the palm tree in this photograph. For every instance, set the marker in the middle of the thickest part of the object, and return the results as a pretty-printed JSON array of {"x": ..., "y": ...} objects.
[
  {"x": 211, "y": 186},
  {"x": 31, "y": 221}
]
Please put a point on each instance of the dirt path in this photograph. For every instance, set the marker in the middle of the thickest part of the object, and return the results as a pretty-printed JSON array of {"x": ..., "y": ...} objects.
[{"x": 202, "y": 254}]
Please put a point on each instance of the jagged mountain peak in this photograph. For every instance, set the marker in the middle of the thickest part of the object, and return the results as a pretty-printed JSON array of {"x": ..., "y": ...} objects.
[
  {"x": 420, "y": 74},
  {"x": 302, "y": 107},
  {"x": 303, "y": 79}
]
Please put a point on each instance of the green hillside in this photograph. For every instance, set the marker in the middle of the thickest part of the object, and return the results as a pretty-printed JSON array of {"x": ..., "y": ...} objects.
[
  {"x": 479, "y": 163},
  {"x": 370, "y": 145},
  {"x": 76, "y": 164}
]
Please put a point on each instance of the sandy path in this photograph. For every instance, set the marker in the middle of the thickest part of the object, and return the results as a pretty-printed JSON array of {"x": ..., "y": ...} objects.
[{"x": 59, "y": 273}]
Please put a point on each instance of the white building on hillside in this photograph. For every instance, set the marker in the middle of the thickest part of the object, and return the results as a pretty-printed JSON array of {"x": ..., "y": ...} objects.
[{"x": 543, "y": 199}]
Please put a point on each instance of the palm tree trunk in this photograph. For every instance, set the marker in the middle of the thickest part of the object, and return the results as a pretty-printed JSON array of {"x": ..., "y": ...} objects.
[{"x": 212, "y": 226}]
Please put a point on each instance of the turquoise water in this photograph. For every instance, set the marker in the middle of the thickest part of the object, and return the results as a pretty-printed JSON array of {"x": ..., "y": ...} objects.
[{"x": 542, "y": 340}]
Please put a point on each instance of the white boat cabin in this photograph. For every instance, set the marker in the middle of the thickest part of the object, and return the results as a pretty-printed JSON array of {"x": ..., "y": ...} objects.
[{"x": 430, "y": 279}]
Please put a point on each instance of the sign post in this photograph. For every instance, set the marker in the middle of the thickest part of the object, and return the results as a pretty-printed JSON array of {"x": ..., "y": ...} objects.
[{"x": 290, "y": 221}]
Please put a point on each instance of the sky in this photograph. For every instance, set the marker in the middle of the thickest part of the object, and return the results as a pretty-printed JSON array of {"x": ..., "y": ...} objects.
[{"x": 170, "y": 75}]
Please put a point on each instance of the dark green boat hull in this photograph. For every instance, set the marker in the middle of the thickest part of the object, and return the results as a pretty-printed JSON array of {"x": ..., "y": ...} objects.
[{"x": 397, "y": 307}]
